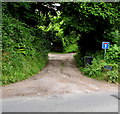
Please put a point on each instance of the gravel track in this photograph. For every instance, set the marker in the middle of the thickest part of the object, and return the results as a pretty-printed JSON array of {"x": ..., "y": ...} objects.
[{"x": 60, "y": 76}]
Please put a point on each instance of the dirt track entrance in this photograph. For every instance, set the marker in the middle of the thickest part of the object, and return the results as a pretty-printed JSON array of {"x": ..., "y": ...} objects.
[{"x": 59, "y": 77}]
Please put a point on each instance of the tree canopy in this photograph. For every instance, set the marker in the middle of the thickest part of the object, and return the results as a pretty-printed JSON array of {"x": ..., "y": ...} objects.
[{"x": 94, "y": 22}]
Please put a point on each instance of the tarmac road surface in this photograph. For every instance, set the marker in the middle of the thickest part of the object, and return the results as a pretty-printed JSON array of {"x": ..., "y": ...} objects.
[
  {"x": 86, "y": 102},
  {"x": 60, "y": 87}
]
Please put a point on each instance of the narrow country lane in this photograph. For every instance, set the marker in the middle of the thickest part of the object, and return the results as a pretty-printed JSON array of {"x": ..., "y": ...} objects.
[{"x": 59, "y": 79}]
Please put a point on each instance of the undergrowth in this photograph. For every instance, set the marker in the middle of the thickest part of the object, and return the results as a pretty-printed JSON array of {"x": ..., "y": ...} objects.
[
  {"x": 24, "y": 53},
  {"x": 102, "y": 69}
]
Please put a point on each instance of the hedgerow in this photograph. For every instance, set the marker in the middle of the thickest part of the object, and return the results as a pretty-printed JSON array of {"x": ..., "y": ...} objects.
[
  {"x": 103, "y": 69},
  {"x": 24, "y": 53}
]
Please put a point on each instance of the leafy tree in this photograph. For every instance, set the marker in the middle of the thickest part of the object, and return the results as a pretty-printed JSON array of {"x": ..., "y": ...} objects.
[
  {"x": 92, "y": 21},
  {"x": 24, "y": 44},
  {"x": 32, "y": 13}
]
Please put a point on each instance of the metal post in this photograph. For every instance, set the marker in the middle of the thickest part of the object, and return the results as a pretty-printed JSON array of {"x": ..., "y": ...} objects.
[{"x": 104, "y": 54}]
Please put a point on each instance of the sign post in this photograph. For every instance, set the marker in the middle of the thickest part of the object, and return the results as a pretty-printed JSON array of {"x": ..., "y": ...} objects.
[
  {"x": 104, "y": 54},
  {"x": 105, "y": 45}
]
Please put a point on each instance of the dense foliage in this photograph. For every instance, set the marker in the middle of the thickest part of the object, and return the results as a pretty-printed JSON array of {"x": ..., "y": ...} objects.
[
  {"x": 24, "y": 48},
  {"x": 104, "y": 69},
  {"x": 61, "y": 43},
  {"x": 94, "y": 23},
  {"x": 31, "y": 28},
  {"x": 31, "y": 13},
  {"x": 21, "y": 51}
]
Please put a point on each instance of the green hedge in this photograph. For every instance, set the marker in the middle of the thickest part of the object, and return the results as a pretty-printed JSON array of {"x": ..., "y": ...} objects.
[
  {"x": 24, "y": 53},
  {"x": 97, "y": 70}
]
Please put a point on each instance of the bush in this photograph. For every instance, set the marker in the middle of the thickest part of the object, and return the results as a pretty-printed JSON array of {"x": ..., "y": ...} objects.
[
  {"x": 112, "y": 76},
  {"x": 79, "y": 60},
  {"x": 99, "y": 71},
  {"x": 71, "y": 48},
  {"x": 24, "y": 54},
  {"x": 103, "y": 69},
  {"x": 113, "y": 53}
]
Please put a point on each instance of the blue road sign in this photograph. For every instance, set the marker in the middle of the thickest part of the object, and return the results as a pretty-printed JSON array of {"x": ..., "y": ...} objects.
[{"x": 105, "y": 45}]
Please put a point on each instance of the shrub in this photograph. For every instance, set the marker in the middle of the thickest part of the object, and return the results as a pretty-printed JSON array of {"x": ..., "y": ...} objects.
[
  {"x": 113, "y": 53},
  {"x": 24, "y": 54},
  {"x": 103, "y": 69},
  {"x": 71, "y": 48},
  {"x": 112, "y": 76},
  {"x": 79, "y": 60}
]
